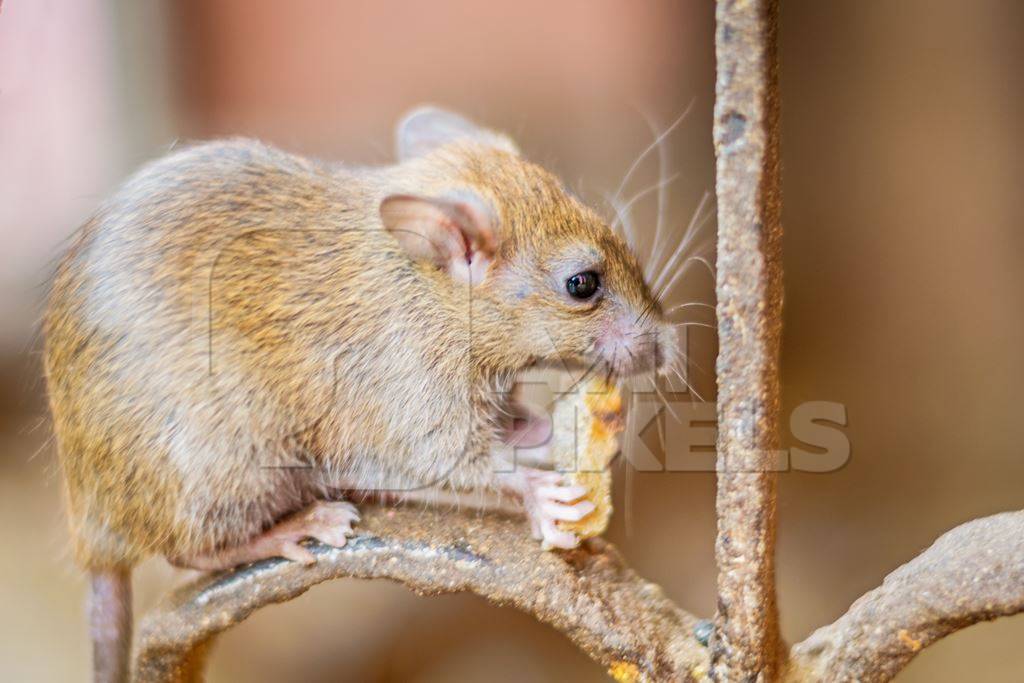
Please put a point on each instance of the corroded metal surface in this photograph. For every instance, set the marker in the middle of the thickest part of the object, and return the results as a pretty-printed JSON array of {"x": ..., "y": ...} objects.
[
  {"x": 745, "y": 643},
  {"x": 619, "y": 619},
  {"x": 973, "y": 573}
]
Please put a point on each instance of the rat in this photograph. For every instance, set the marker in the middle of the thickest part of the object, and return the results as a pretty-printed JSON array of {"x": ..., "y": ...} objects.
[{"x": 239, "y": 332}]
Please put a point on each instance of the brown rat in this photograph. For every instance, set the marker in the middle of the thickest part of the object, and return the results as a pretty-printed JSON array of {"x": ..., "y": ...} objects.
[{"x": 238, "y": 332}]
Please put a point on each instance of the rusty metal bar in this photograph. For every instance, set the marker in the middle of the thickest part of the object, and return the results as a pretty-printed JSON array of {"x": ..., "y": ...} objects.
[{"x": 745, "y": 644}]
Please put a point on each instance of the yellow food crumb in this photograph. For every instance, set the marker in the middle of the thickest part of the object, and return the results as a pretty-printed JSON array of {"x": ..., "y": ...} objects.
[
  {"x": 905, "y": 638},
  {"x": 624, "y": 672}
]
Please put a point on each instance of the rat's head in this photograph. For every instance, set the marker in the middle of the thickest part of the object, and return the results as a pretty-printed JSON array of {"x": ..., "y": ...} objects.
[{"x": 550, "y": 281}]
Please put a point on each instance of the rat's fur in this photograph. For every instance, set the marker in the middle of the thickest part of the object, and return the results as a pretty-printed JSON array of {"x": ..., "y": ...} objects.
[{"x": 233, "y": 333}]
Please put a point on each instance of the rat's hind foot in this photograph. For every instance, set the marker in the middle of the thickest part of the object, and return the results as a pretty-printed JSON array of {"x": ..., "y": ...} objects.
[
  {"x": 548, "y": 499},
  {"x": 329, "y": 522}
]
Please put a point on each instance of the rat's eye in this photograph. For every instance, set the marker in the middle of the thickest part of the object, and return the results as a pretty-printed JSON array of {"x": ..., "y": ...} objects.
[{"x": 583, "y": 285}]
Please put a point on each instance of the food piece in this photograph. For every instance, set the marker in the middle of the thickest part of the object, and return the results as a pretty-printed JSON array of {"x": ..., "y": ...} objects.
[{"x": 585, "y": 438}]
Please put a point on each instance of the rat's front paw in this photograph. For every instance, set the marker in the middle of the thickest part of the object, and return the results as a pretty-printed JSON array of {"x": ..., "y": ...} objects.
[{"x": 548, "y": 500}]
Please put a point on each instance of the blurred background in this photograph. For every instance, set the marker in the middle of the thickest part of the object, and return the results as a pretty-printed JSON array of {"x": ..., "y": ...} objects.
[{"x": 904, "y": 274}]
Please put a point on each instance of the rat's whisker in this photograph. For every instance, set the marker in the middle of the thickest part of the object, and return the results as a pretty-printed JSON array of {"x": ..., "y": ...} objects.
[
  {"x": 688, "y": 304},
  {"x": 692, "y": 323},
  {"x": 704, "y": 246},
  {"x": 659, "y": 186},
  {"x": 648, "y": 314},
  {"x": 662, "y": 197},
  {"x": 692, "y": 229},
  {"x": 688, "y": 386},
  {"x": 686, "y": 264},
  {"x": 623, "y": 219},
  {"x": 684, "y": 358},
  {"x": 627, "y": 451},
  {"x": 586, "y": 373},
  {"x": 664, "y": 402},
  {"x": 702, "y": 257},
  {"x": 707, "y": 264},
  {"x": 649, "y": 307},
  {"x": 46, "y": 444},
  {"x": 643, "y": 155}
]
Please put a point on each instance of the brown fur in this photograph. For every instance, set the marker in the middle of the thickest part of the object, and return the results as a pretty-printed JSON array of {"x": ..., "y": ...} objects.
[{"x": 235, "y": 310}]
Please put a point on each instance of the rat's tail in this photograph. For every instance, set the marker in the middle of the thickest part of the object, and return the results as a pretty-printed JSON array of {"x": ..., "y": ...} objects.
[{"x": 110, "y": 623}]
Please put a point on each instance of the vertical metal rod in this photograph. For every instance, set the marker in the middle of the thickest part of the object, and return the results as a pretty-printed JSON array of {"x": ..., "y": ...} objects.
[{"x": 745, "y": 645}]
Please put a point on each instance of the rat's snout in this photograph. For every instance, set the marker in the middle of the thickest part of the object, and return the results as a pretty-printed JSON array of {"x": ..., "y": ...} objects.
[{"x": 633, "y": 344}]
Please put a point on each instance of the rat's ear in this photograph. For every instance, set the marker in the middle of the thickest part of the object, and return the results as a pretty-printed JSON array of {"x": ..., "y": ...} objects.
[
  {"x": 457, "y": 233},
  {"x": 426, "y": 128}
]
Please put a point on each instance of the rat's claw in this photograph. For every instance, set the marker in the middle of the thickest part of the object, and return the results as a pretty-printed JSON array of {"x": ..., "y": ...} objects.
[
  {"x": 567, "y": 513},
  {"x": 553, "y": 537},
  {"x": 333, "y": 512},
  {"x": 335, "y": 537},
  {"x": 548, "y": 500},
  {"x": 543, "y": 477},
  {"x": 562, "y": 493}
]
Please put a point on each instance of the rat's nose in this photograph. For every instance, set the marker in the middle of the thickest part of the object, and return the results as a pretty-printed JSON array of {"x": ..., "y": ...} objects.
[{"x": 633, "y": 345}]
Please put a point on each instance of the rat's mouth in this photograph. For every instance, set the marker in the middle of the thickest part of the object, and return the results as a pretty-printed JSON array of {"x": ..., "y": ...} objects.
[{"x": 525, "y": 426}]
